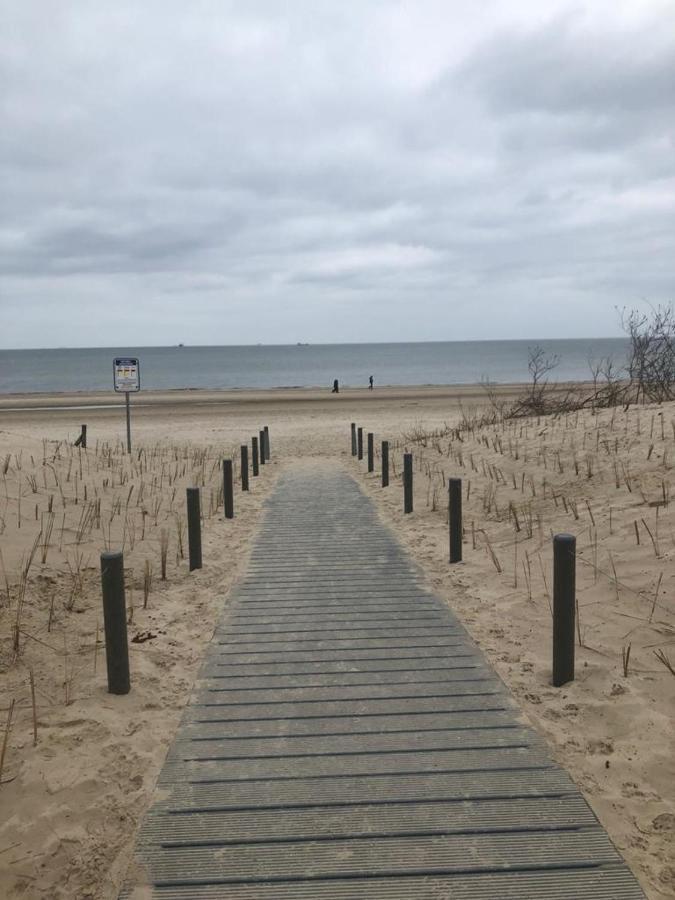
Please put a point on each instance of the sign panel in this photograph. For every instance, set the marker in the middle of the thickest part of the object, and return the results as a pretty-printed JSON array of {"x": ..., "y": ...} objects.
[{"x": 126, "y": 375}]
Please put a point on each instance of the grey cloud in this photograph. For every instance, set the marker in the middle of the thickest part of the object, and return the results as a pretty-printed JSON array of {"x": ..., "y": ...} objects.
[{"x": 218, "y": 157}]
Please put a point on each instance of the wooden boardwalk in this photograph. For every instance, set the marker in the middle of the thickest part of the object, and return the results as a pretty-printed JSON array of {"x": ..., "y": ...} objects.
[{"x": 348, "y": 740}]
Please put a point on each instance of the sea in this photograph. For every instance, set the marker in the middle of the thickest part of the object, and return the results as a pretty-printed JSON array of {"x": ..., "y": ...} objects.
[{"x": 301, "y": 365}]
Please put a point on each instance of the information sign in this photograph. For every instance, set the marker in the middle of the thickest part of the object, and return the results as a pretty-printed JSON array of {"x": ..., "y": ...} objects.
[{"x": 126, "y": 375}]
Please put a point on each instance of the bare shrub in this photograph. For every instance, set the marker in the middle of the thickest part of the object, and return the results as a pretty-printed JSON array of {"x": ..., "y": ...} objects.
[{"x": 651, "y": 363}]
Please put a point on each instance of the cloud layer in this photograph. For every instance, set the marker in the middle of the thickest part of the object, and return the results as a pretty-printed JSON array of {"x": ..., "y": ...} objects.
[{"x": 228, "y": 172}]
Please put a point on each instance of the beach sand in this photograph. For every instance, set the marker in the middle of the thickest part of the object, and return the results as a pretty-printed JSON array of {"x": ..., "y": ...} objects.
[{"x": 70, "y": 804}]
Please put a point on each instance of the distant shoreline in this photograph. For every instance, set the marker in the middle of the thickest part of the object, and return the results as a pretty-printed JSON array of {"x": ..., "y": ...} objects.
[{"x": 37, "y": 401}]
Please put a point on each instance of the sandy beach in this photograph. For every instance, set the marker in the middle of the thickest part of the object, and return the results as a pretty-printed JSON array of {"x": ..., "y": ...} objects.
[{"x": 79, "y": 765}]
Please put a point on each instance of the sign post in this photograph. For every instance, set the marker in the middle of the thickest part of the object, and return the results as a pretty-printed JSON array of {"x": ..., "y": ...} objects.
[{"x": 127, "y": 380}]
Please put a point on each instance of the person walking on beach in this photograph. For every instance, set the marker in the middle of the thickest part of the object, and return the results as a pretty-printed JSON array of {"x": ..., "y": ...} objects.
[
  {"x": 370, "y": 383},
  {"x": 336, "y": 388}
]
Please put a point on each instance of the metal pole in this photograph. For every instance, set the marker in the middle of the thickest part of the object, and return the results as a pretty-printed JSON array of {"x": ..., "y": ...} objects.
[
  {"x": 455, "y": 518},
  {"x": 244, "y": 467},
  {"x": 194, "y": 528},
  {"x": 228, "y": 489},
  {"x": 267, "y": 441},
  {"x": 407, "y": 483},
  {"x": 371, "y": 451},
  {"x": 353, "y": 438},
  {"x": 385, "y": 463},
  {"x": 564, "y": 564},
  {"x": 128, "y": 406},
  {"x": 261, "y": 445},
  {"x": 254, "y": 454},
  {"x": 115, "y": 622},
  {"x": 359, "y": 441}
]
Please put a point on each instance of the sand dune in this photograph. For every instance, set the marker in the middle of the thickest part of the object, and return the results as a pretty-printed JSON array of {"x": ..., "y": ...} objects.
[{"x": 70, "y": 804}]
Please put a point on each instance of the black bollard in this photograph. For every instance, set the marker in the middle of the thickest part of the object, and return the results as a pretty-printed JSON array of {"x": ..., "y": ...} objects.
[
  {"x": 385, "y": 463},
  {"x": 261, "y": 445},
  {"x": 244, "y": 467},
  {"x": 194, "y": 517},
  {"x": 254, "y": 455},
  {"x": 115, "y": 622},
  {"x": 455, "y": 518},
  {"x": 371, "y": 451},
  {"x": 267, "y": 441},
  {"x": 228, "y": 489},
  {"x": 353, "y": 438},
  {"x": 359, "y": 443},
  {"x": 564, "y": 564},
  {"x": 407, "y": 483}
]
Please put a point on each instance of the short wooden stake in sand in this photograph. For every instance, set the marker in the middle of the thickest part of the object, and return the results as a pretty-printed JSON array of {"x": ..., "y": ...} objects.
[
  {"x": 385, "y": 463},
  {"x": 228, "y": 489},
  {"x": 359, "y": 443},
  {"x": 115, "y": 620},
  {"x": 353, "y": 438},
  {"x": 244, "y": 467},
  {"x": 254, "y": 455},
  {"x": 261, "y": 435},
  {"x": 266, "y": 431},
  {"x": 194, "y": 528},
  {"x": 455, "y": 518},
  {"x": 564, "y": 568},
  {"x": 407, "y": 483},
  {"x": 371, "y": 451}
]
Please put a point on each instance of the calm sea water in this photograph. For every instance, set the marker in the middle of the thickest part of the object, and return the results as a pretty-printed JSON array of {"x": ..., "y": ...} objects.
[{"x": 165, "y": 368}]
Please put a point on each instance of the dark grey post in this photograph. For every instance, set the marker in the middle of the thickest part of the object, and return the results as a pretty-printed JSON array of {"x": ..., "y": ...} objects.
[
  {"x": 359, "y": 442},
  {"x": 261, "y": 444},
  {"x": 115, "y": 622},
  {"x": 564, "y": 564},
  {"x": 385, "y": 463},
  {"x": 254, "y": 454},
  {"x": 267, "y": 441},
  {"x": 126, "y": 401},
  {"x": 371, "y": 451},
  {"x": 228, "y": 489},
  {"x": 83, "y": 437},
  {"x": 455, "y": 518},
  {"x": 244, "y": 467},
  {"x": 194, "y": 517},
  {"x": 353, "y": 438},
  {"x": 407, "y": 483}
]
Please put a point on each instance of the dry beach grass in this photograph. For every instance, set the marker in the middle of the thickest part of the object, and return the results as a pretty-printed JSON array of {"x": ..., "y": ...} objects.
[{"x": 78, "y": 771}]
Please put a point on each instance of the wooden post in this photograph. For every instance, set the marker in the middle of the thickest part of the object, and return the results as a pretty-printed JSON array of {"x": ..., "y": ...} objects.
[
  {"x": 228, "y": 489},
  {"x": 115, "y": 622},
  {"x": 407, "y": 483},
  {"x": 267, "y": 441},
  {"x": 244, "y": 467},
  {"x": 82, "y": 439},
  {"x": 353, "y": 438},
  {"x": 455, "y": 518},
  {"x": 194, "y": 517},
  {"x": 261, "y": 445},
  {"x": 359, "y": 443},
  {"x": 564, "y": 588},
  {"x": 371, "y": 451},
  {"x": 254, "y": 455},
  {"x": 385, "y": 463}
]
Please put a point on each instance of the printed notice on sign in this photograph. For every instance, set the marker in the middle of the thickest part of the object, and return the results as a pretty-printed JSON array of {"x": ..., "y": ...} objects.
[{"x": 126, "y": 375}]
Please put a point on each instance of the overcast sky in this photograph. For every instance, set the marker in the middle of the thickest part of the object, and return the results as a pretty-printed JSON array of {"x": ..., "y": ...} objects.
[{"x": 241, "y": 172}]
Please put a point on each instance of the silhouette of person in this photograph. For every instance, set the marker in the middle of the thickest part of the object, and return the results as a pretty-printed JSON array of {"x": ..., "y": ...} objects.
[
  {"x": 370, "y": 383},
  {"x": 336, "y": 388}
]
